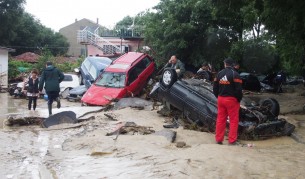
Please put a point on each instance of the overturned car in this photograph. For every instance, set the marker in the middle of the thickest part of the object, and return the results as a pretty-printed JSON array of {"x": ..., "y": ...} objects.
[{"x": 198, "y": 104}]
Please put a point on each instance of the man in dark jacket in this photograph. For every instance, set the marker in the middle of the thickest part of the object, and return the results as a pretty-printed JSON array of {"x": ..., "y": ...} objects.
[
  {"x": 176, "y": 64},
  {"x": 50, "y": 79},
  {"x": 228, "y": 90}
]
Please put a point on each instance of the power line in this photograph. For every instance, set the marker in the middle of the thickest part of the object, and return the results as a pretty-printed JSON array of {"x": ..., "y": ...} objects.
[{"x": 49, "y": 47}]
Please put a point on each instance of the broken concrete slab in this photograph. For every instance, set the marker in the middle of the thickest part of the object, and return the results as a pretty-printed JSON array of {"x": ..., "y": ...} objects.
[
  {"x": 19, "y": 120},
  {"x": 168, "y": 134},
  {"x": 79, "y": 111},
  {"x": 70, "y": 115},
  {"x": 132, "y": 102}
]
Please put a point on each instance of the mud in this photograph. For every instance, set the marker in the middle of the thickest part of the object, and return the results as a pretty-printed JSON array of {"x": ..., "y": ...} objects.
[
  {"x": 83, "y": 150},
  {"x": 10, "y": 105}
]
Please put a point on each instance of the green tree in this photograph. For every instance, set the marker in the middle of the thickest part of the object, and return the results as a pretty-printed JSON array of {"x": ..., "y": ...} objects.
[
  {"x": 10, "y": 13},
  {"x": 26, "y": 33},
  {"x": 43, "y": 59},
  {"x": 255, "y": 53},
  {"x": 14, "y": 66},
  {"x": 33, "y": 36},
  {"x": 286, "y": 20},
  {"x": 179, "y": 27}
]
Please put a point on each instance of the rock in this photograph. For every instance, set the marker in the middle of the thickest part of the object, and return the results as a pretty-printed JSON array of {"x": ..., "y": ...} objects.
[
  {"x": 180, "y": 144},
  {"x": 132, "y": 102},
  {"x": 168, "y": 134}
]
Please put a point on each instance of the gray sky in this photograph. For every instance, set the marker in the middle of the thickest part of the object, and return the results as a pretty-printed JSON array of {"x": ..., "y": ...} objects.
[{"x": 56, "y": 14}]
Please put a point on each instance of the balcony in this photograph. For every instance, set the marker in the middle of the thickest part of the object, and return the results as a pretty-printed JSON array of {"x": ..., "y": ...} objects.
[{"x": 126, "y": 33}]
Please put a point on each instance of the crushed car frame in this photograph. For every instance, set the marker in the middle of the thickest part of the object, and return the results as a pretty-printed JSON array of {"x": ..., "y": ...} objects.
[{"x": 195, "y": 98}]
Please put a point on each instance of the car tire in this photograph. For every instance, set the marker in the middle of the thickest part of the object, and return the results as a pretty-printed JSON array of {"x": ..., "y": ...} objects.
[
  {"x": 203, "y": 75},
  {"x": 272, "y": 105},
  {"x": 169, "y": 77},
  {"x": 80, "y": 80}
]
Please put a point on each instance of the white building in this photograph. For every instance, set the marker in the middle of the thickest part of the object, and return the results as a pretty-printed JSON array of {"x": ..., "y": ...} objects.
[{"x": 4, "y": 66}]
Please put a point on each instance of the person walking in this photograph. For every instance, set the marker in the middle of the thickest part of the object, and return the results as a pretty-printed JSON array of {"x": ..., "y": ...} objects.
[
  {"x": 176, "y": 64},
  {"x": 227, "y": 88},
  {"x": 32, "y": 90},
  {"x": 51, "y": 77}
]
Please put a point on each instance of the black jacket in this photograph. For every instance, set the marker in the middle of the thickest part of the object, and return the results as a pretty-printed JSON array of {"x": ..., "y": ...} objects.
[
  {"x": 50, "y": 78},
  {"x": 228, "y": 83},
  {"x": 33, "y": 85}
]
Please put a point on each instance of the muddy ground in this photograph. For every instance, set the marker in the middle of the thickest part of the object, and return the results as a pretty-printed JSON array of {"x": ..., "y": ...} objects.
[{"x": 83, "y": 150}]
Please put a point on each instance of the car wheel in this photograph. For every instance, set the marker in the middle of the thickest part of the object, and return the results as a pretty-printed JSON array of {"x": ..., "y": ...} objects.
[
  {"x": 203, "y": 75},
  {"x": 169, "y": 77},
  {"x": 272, "y": 106},
  {"x": 80, "y": 80}
]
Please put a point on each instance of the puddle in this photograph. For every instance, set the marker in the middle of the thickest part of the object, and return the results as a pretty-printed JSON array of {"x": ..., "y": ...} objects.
[
  {"x": 10, "y": 105},
  {"x": 15, "y": 106}
]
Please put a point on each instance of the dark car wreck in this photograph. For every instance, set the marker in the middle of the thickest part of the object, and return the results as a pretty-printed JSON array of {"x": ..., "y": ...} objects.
[{"x": 198, "y": 104}]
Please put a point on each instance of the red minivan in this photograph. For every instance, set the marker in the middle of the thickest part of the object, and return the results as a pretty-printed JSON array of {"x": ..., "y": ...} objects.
[{"x": 125, "y": 77}]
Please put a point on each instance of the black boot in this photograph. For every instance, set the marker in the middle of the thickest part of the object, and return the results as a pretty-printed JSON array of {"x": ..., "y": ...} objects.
[
  {"x": 58, "y": 102},
  {"x": 50, "y": 109}
]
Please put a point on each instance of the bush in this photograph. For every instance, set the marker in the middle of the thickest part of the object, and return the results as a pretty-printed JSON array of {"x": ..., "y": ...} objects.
[{"x": 14, "y": 70}]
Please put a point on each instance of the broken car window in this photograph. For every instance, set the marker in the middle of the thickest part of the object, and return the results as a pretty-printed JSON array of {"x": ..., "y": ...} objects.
[{"x": 116, "y": 80}]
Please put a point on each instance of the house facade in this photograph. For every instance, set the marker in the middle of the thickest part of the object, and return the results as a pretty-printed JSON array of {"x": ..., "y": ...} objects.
[
  {"x": 4, "y": 66},
  {"x": 123, "y": 45},
  {"x": 70, "y": 32},
  {"x": 89, "y": 38},
  {"x": 111, "y": 43}
]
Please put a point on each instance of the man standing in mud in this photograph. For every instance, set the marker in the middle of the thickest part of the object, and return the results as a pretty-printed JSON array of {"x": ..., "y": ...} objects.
[
  {"x": 228, "y": 90},
  {"x": 50, "y": 79}
]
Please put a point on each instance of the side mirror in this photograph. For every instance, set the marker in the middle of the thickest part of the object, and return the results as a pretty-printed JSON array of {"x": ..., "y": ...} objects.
[
  {"x": 76, "y": 70},
  {"x": 88, "y": 83}
]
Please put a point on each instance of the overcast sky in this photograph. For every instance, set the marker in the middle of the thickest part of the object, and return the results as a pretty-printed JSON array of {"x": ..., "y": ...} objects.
[{"x": 56, "y": 14}]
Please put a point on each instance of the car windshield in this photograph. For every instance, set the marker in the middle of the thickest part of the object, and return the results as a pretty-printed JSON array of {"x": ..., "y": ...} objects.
[
  {"x": 68, "y": 78},
  {"x": 116, "y": 80}
]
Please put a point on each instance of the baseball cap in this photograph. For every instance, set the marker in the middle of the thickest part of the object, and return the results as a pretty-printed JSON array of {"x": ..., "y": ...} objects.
[{"x": 229, "y": 61}]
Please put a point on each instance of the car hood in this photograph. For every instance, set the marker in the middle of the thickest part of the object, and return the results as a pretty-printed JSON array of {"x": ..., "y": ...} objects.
[
  {"x": 79, "y": 90},
  {"x": 100, "y": 96}
]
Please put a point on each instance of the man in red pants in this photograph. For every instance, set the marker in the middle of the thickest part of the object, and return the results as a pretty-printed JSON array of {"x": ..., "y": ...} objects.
[{"x": 228, "y": 90}]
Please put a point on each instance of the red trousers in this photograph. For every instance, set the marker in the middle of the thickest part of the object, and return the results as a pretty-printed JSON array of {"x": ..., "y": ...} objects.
[{"x": 227, "y": 107}]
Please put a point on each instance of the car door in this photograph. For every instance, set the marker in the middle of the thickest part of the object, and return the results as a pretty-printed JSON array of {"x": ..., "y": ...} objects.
[
  {"x": 85, "y": 77},
  {"x": 146, "y": 69},
  {"x": 132, "y": 84}
]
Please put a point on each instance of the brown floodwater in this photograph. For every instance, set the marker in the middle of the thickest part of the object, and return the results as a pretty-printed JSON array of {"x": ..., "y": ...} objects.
[
  {"x": 66, "y": 151},
  {"x": 11, "y": 106}
]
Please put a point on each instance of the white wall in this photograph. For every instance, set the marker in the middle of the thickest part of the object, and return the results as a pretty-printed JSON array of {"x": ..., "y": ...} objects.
[{"x": 3, "y": 68}]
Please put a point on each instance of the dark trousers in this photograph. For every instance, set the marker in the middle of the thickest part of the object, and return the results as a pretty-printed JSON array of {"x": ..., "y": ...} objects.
[
  {"x": 34, "y": 100},
  {"x": 52, "y": 95}
]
